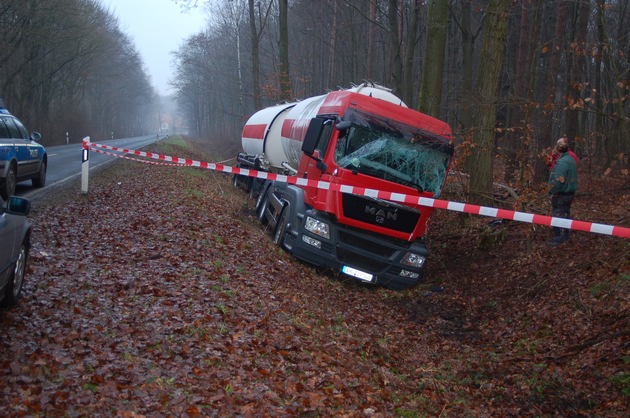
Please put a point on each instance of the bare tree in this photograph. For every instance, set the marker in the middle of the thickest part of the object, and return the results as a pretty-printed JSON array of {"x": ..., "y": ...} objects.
[{"x": 255, "y": 32}]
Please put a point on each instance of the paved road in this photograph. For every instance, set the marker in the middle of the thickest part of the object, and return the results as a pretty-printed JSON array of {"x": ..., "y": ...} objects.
[{"x": 64, "y": 163}]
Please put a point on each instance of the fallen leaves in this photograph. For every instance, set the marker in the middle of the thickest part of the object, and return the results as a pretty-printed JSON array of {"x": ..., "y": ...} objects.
[{"x": 159, "y": 295}]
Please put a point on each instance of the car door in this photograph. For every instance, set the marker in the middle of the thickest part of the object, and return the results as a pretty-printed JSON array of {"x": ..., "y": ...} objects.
[
  {"x": 27, "y": 151},
  {"x": 8, "y": 231},
  {"x": 7, "y": 145}
]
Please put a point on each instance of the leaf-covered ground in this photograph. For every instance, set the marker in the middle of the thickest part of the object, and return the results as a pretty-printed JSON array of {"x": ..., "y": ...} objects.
[{"x": 158, "y": 294}]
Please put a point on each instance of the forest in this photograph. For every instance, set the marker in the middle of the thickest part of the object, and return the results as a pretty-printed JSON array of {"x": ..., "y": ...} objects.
[
  {"x": 510, "y": 77},
  {"x": 67, "y": 67}
]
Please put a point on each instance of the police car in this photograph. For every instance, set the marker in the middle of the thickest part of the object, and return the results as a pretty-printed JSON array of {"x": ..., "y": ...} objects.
[{"x": 21, "y": 156}]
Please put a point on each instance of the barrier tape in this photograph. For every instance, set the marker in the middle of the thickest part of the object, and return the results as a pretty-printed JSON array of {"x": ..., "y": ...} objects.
[
  {"x": 113, "y": 154},
  {"x": 597, "y": 228}
]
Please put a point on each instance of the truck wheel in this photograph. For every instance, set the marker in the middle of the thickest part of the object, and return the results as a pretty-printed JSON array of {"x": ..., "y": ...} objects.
[
  {"x": 261, "y": 205},
  {"x": 281, "y": 227},
  {"x": 40, "y": 180},
  {"x": 14, "y": 287},
  {"x": 7, "y": 186}
]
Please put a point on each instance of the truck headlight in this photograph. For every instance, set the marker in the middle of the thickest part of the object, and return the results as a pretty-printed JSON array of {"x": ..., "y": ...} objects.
[
  {"x": 312, "y": 241},
  {"x": 409, "y": 274},
  {"x": 317, "y": 227},
  {"x": 413, "y": 260}
]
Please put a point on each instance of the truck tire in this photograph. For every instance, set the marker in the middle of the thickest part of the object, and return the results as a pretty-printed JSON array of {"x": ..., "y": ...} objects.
[
  {"x": 7, "y": 186},
  {"x": 281, "y": 227},
  {"x": 261, "y": 205}
]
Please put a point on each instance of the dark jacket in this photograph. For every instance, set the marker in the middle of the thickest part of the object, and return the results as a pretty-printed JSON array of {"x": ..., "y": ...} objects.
[{"x": 565, "y": 168}]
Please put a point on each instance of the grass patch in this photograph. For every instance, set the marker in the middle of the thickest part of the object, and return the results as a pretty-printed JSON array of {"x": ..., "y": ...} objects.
[
  {"x": 171, "y": 145},
  {"x": 622, "y": 380}
]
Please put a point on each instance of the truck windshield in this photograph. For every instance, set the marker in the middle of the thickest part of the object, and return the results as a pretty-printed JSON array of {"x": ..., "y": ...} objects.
[{"x": 395, "y": 152}]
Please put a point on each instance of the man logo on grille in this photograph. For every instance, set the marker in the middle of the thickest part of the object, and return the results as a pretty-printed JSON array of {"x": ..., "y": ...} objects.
[{"x": 381, "y": 214}]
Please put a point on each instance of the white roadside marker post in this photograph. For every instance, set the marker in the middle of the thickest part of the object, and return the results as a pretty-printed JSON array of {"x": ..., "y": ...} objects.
[{"x": 85, "y": 165}]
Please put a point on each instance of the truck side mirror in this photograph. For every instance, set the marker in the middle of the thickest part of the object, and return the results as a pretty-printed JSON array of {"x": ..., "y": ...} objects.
[
  {"x": 313, "y": 133},
  {"x": 343, "y": 125}
]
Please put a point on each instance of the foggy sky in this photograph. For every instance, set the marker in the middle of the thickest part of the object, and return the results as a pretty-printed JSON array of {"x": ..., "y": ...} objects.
[{"x": 157, "y": 27}]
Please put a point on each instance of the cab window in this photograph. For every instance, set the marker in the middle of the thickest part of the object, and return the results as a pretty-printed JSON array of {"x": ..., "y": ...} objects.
[{"x": 324, "y": 139}]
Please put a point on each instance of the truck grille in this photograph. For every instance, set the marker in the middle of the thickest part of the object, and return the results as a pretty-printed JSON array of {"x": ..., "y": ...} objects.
[
  {"x": 367, "y": 252},
  {"x": 379, "y": 213},
  {"x": 374, "y": 247}
]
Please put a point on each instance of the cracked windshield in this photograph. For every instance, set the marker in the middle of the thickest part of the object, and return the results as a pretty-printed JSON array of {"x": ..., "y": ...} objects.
[{"x": 402, "y": 155}]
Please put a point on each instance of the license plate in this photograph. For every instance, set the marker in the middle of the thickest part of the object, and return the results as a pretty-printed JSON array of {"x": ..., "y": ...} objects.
[{"x": 361, "y": 275}]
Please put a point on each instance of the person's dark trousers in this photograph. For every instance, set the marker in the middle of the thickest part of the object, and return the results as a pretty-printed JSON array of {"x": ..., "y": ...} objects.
[{"x": 561, "y": 208}]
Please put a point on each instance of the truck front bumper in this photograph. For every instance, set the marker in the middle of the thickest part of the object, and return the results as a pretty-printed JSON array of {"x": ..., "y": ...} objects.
[{"x": 368, "y": 257}]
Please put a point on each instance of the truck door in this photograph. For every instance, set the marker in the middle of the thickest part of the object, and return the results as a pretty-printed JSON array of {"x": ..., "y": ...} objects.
[{"x": 315, "y": 147}]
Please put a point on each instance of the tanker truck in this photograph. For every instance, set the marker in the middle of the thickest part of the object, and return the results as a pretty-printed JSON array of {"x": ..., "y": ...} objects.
[{"x": 364, "y": 137}]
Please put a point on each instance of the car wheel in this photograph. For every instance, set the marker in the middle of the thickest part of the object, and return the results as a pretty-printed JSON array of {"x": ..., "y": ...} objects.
[
  {"x": 7, "y": 186},
  {"x": 14, "y": 287},
  {"x": 281, "y": 227},
  {"x": 40, "y": 180}
]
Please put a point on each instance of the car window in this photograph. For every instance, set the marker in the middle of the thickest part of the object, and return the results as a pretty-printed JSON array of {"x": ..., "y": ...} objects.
[
  {"x": 4, "y": 133},
  {"x": 23, "y": 131},
  {"x": 20, "y": 130}
]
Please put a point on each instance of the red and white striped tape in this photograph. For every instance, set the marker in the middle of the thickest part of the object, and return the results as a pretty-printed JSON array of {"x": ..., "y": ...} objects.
[
  {"x": 597, "y": 228},
  {"x": 124, "y": 157}
]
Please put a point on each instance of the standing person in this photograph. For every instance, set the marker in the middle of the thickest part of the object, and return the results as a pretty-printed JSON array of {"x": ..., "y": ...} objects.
[
  {"x": 563, "y": 183},
  {"x": 551, "y": 159}
]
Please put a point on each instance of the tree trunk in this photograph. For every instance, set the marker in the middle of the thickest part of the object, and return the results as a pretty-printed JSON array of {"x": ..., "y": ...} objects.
[
  {"x": 468, "y": 46},
  {"x": 550, "y": 128},
  {"x": 283, "y": 44},
  {"x": 333, "y": 45},
  {"x": 433, "y": 62},
  {"x": 394, "y": 40},
  {"x": 516, "y": 140},
  {"x": 371, "y": 42},
  {"x": 480, "y": 164},
  {"x": 577, "y": 74},
  {"x": 255, "y": 56},
  {"x": 414, "y": 24},
  {"x": 597, "y": 88}
]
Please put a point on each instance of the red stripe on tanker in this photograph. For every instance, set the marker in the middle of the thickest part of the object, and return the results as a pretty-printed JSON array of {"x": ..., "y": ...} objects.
[
  {"x": 264, "y": 124},
  {"x": 254, "y": 131}
]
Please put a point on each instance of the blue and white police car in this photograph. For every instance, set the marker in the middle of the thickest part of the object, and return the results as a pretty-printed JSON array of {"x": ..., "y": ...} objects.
[{"x": 21, "y": 156}]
